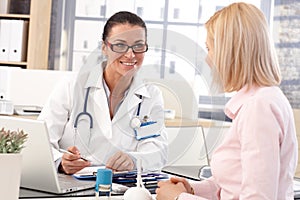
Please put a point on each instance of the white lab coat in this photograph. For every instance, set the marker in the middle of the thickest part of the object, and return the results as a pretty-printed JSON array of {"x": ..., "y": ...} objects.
[{"x": 107, "y": 136}]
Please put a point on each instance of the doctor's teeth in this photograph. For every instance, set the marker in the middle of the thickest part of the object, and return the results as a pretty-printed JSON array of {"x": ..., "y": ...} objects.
[{"x": 127, "y": 63}]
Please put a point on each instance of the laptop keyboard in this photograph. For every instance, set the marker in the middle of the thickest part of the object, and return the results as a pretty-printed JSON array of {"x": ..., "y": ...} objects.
[{"x": 67, "y": 181}]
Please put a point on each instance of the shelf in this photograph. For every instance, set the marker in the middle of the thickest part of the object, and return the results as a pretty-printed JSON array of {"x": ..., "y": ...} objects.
[
  {"x": 37, "y": 37},
  {"x": 13, "y": 63},
  {"x": 14, "y": 16}
]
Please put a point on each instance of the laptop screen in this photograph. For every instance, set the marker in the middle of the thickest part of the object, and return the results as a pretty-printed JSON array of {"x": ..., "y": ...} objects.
[{"x": 38, "y": 168}]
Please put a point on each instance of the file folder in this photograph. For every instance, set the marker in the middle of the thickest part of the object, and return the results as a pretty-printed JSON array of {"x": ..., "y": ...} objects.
[
  {"x": 4, "y": 6},
  {"x": 4, "y": 39},
  {"x": 18, "y": 40}
]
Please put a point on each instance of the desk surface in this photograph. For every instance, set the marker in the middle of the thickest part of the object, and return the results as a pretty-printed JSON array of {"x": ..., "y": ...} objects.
[
  {"x": 35, "y": 195},
  {"x": 191, "y": 170},
  {"x": 27, "y": 193},
  {"x": 180, "y": 122},
  {"x": 177, "y": 122},
  {"x": 81, "y": 198},
  {"x": 205, "y": 123}
]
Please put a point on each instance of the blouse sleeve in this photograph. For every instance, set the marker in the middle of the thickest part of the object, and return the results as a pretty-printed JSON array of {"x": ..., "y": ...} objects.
[
  {"x": 260, "y": 129},
  {"x": 204, "y": 190}
]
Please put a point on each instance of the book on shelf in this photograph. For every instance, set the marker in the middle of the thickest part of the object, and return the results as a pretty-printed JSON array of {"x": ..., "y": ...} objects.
[
  {"x": 4, "y": 6},
  {"x": 13, "y": 40}
]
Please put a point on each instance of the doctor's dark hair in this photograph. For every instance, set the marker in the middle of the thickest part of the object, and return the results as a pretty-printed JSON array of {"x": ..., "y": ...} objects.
[{"x": 122, "y": 17}]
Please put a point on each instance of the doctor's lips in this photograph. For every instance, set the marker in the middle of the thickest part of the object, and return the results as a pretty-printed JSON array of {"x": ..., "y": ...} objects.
[{"x": 128, "y": 63}]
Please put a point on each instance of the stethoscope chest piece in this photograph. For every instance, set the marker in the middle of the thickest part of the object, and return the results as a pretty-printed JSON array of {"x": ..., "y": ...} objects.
[{"x": 135, "y": 123}]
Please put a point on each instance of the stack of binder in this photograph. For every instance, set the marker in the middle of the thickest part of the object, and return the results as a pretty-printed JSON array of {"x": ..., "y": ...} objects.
[
  {"x": 4, "y": 6},
  {"x": 13, "y": 40},
  {"x": 128, "y": 179}
]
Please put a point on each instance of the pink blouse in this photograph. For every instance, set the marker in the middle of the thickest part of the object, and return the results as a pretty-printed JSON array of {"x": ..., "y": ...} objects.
[{"x": 258, "y": 156}]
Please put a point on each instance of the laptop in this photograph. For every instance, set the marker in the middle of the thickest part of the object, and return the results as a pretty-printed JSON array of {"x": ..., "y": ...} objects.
[
  {"x": 38, "y": 168},
  {"x": 190, "y": 172}
]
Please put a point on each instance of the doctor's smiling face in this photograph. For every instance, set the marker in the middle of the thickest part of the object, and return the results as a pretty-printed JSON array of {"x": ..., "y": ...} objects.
[{"x": 125, "y": 48}]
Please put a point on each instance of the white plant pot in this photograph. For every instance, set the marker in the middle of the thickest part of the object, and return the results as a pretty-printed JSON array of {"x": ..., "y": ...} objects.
[{"x": 10, "y": 176}]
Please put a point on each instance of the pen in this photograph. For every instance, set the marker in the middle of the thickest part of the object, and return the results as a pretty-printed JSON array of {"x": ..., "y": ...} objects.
[{"x": 68, "y": 152}]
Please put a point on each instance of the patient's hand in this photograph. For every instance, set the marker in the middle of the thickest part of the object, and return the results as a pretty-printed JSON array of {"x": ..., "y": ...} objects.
[
  {"x": 167, "y": 190},
  {"x": 185, "y": 183}
]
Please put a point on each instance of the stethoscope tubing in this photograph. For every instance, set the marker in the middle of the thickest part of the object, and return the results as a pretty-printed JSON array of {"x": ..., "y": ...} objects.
[{"x": 84, "y": 110}]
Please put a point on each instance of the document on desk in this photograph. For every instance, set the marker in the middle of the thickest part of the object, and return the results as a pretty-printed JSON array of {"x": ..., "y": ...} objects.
[
  {"x": 27, "y": 110},
  {"x": 124, "y": 179},
  {"x": 88, "y": 172},
  {"x": 120, "y": 176},
  {"x": 91, "y": 172},
  {"x": 296, "y": 186}
]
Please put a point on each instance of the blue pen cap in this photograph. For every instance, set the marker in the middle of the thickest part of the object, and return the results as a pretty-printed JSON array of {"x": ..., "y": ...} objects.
[{"x": 104, "y": 177}]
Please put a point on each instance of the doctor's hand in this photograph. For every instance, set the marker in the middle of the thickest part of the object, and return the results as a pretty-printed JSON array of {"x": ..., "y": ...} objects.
[
  {"x": 120, "y": 161},
  {"x": 72, "y": 162}
]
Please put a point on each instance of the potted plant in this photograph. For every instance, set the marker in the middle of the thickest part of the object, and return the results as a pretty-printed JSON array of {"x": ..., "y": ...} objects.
[{"x": 11, "y": 144}]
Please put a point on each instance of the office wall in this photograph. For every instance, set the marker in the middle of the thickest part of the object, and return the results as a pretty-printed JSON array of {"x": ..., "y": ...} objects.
[
  {"x": 286, "y": 30},
  {"x": 297, "y": 122},
  {"x": 29, "y": 87}
]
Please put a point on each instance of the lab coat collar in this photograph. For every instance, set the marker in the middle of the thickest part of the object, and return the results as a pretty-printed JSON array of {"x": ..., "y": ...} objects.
[
  {"x": 138, "y": 87},
  {"x": 233, "y": 106},
  {"x": 95, "y": 76}
]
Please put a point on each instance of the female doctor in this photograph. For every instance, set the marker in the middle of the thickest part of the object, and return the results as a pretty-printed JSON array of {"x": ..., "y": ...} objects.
[{"x": 107, "y": 115}]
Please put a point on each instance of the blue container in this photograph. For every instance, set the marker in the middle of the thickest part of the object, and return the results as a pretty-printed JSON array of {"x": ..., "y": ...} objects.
[{"x": 104, "y": 181}]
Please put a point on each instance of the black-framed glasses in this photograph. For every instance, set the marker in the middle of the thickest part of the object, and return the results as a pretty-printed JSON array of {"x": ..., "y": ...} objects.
[{"x": 123, "y": 48}]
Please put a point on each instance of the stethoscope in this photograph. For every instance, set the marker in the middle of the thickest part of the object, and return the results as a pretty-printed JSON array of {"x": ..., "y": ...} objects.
[
  {"x": 84, "y": 112},
  {"x": 135, "y": 122}
]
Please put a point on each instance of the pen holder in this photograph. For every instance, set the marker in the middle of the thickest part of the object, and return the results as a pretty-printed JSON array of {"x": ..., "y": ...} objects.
[
  {"x": 103, "y": 182},
  {"x": 139, "y": 192}
]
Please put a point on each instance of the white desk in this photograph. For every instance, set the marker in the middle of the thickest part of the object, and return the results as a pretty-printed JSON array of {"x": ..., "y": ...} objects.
[
  {"x": 85, "y": 198},
  {"x": 88, "y": 194},
  {"x": 82, "y": 198},
  {"x": 83, "y": 194}
]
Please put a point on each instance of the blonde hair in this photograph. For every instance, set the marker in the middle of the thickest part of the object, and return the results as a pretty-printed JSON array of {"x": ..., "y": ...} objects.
[{"x": 244, "y": 54}]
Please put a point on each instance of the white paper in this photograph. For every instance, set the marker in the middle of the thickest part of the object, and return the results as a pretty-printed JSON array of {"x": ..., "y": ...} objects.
[
  {"x": 296, "y": 186},
  {"x": 88, "y": 171}
]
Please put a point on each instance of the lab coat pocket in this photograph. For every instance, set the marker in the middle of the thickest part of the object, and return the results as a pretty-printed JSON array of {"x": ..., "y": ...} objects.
[
  {"x": 128, "y": 142},
  {"x": 123, "y": 135}
]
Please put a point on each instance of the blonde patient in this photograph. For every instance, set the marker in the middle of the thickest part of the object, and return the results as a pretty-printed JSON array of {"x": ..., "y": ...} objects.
[{"x": 258, "y": 156}]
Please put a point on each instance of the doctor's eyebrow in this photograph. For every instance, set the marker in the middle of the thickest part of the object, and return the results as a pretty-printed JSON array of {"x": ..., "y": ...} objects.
[{"x": 124, "y": 41}]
